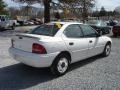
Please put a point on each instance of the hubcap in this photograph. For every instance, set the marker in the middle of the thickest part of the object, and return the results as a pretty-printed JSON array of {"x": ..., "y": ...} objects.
[
  {"x": 62, "y": 65},
  {"x": 108, "y": 48}
]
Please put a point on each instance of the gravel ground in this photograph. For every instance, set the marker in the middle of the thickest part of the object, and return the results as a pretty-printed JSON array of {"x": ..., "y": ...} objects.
[{"x": 96, "y": 73}]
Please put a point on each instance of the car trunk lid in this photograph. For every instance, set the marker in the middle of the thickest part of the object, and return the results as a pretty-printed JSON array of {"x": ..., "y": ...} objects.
[{"x": 25, "y": 41}]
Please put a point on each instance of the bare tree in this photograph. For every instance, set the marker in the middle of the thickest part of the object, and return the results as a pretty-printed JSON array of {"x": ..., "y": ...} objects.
[
  {"x": 64, "y": 3},
  {"x": 79, "y": 7},
  {"x": 13, "y": 12},
  {"x": 46, "y": 4}
]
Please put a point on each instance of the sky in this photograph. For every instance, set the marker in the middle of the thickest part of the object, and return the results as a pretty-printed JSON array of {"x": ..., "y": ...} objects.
[
  {"x": 108, "y": 4},
  {"x": 10, "y": 3}
]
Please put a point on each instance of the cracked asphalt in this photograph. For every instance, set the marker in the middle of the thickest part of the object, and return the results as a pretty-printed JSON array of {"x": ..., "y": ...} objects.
[{"x": 96, "y": 73}]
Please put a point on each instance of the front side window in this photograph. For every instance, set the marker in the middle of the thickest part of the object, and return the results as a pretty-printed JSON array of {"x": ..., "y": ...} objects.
[
  {"x": 73, "y": 31},
  {"x": 88, "y": 31}
]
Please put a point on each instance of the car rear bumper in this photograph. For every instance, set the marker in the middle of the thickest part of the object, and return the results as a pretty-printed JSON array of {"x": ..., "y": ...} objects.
[{"x": 31, "y": 59}]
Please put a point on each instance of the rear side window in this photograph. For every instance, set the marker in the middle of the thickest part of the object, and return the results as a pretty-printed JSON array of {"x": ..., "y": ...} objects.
[
  {"x": 73, "y": 31},
  {"x": 47, "y": 30}
]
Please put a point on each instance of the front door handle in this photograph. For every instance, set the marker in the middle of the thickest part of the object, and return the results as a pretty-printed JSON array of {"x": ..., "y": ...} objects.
[
  {"x": 71, "y": 43},
  {"x": 90, "y": 41}
]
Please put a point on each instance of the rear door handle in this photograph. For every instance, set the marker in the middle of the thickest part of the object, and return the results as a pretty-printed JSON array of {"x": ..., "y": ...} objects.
[
  {"x": 71, "y": 43},
  {"x": 90, "y": 41}
]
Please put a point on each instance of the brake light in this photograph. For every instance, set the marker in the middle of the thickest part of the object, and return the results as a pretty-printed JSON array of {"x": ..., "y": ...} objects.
[{"x": 38, "y": 49}]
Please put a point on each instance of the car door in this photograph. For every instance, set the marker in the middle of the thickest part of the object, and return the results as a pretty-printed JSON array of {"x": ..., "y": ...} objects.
[
  {"x": 96, "y": 42},
  {"x": 76, "y": 44}
]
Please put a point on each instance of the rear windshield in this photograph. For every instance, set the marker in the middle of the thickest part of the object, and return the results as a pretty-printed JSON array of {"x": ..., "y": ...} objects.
[{"x": 47, "y": 30}]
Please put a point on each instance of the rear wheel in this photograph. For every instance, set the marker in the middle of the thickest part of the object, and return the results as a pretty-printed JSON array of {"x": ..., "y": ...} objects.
[
  {"x": 107, "y": 50},
  {"x": 60, "y": 65}
]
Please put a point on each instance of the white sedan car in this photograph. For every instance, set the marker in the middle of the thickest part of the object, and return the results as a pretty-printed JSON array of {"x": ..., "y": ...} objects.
[{"x": 58, "y": 44}]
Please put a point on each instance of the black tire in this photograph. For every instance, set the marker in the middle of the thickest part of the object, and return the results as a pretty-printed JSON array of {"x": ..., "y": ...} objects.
[
  {"x": 55, "y": 68},
  {"x": 12, "y": 27},
  {"x": 107, "y": 50}
]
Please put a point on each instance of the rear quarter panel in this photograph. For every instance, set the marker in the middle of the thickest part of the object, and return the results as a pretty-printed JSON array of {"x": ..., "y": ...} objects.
[
  {"x": 106, "y": 39},
  {"x": 54, "y": 45}
]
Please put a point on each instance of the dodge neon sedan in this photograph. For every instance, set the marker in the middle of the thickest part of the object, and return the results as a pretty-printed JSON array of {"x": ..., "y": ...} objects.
[{"x": 58, "y": 44}]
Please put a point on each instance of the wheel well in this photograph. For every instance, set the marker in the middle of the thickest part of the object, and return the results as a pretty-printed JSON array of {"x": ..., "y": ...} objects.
[
  {"x": 108, "y": 42},
  {"x": 65, "y": 53}
]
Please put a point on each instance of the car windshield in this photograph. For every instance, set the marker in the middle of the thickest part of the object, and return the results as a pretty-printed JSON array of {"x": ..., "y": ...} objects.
[{"x": 47, "y": 29}]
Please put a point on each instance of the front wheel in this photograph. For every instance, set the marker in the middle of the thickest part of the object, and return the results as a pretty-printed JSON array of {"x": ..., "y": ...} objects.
[
  {"x": 107, "y": 50},
  {"x": 60, "y": 65}
]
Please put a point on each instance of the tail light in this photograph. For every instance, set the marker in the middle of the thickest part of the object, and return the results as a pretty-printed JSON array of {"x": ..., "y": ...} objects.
[{"x": 38, "y": 49}]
